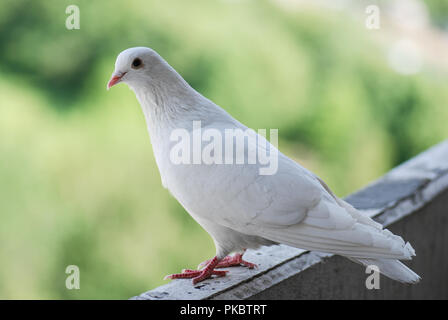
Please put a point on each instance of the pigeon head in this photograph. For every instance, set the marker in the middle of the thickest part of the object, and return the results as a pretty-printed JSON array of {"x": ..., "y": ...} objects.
[
  {"x": 156, "y": 84},
  {"x": 137, "y": 66}
]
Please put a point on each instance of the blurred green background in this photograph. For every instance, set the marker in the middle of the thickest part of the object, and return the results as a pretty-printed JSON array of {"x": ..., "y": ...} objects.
[{"x": 78, "y": 182}]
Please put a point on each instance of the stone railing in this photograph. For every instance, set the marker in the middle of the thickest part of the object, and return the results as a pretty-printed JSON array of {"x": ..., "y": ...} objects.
[{"x": 411, "y": 200}]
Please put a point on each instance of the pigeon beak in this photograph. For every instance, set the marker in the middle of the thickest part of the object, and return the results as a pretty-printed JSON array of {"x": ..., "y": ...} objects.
[{"x": 116, "y": 78}]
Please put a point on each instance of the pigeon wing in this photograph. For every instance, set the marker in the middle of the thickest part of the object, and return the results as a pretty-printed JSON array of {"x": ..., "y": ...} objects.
[{"x": 295, "y": 207}]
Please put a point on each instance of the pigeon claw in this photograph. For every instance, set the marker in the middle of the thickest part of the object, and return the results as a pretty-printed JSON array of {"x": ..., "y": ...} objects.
[
  {"x": 199, "y": 275},
  {"x": 196, "y": 275},
  {"x": 231, "y": 261}
]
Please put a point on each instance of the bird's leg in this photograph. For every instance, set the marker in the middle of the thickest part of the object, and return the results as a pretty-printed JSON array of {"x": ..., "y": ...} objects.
[
  {"x": 199, "y": 275},
  {"x": 231, "y": 261}
]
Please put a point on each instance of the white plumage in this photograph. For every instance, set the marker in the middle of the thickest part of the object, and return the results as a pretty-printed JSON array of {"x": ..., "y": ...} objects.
[{"x": 236, "y": 205}]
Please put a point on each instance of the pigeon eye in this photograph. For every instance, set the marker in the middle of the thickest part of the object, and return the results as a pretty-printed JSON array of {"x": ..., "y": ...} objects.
[{"x": 137, "y": 63}]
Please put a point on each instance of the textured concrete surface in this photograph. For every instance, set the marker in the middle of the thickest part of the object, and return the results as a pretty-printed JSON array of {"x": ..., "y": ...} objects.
[{"x": 412, "y": 200}]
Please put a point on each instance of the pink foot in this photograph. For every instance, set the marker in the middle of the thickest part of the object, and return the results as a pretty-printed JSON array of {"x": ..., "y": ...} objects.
[
  {"x": 231, "y": 261},
  {"x": 199, "y": 275}
]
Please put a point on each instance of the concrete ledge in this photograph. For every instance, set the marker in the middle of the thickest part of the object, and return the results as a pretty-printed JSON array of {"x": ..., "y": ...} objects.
[{"x": 412, "y": 200}]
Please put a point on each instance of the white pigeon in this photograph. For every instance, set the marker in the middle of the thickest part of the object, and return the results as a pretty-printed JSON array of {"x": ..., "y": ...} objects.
[{"x": 239, "y": 207}]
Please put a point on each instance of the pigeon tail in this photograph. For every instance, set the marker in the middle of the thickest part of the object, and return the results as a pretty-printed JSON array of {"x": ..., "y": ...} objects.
[{"x": 392, "y": 269}]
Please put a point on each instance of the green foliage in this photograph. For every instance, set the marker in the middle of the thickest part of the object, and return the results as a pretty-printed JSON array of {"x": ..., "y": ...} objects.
[
  {"x": 78, "y": 182},
  {"x": 438, "y": 9}
]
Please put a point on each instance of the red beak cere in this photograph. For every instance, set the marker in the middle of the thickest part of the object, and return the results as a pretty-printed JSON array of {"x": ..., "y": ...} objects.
[{"x": 114, "y": 80}]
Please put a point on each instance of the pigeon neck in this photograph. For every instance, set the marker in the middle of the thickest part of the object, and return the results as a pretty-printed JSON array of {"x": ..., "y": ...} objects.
[{"x": 167, "y": 103}]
